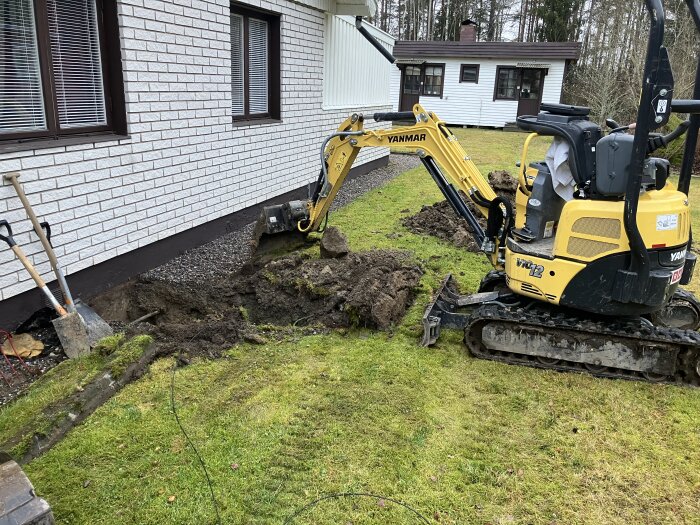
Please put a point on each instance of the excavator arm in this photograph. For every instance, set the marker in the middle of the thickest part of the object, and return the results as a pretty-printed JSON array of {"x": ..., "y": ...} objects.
[{"x": 439, "y": 150}]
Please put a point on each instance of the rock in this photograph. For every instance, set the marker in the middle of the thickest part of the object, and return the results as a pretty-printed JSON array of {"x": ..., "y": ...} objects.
[
  {"x": 333, "y": 244},
  {"x": 254, "y": 338}
]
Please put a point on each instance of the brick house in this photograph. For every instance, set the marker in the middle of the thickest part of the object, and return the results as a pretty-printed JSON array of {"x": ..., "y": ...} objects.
[{"x": 143, "y": 128}]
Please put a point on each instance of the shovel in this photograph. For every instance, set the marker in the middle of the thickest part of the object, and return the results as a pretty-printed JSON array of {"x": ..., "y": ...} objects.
[
  {"x": 96, "y": 327},
  {"x": 69, "y": 326}
]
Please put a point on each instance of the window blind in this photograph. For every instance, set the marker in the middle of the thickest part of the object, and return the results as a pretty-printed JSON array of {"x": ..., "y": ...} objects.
[
  {"x": 237, "y": 64},
  {"x": 258, "y": 65},
  {"x": 77, "y": 63},
  {"x": 21, "y": 98}
]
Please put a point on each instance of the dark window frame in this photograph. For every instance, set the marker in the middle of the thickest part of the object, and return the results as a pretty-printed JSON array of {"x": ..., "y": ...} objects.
[
  {"x": 274, "y": 95},
  {"x": 112, "y": 78},
  {"x": 423, "y": 76},
  {"x": 495, "y": 84},
  {"x": 461, "y": 73}
]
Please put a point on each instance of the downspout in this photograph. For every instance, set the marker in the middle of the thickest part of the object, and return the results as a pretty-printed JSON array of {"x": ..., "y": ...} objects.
[{"x": 370, "y": 38}]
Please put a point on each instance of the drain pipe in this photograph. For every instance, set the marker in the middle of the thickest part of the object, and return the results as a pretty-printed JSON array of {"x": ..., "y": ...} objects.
[{"x": 370, "y": 38}]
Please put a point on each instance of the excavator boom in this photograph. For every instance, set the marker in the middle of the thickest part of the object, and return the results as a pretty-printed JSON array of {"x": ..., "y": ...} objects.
[{"x": 443, "y": 156}]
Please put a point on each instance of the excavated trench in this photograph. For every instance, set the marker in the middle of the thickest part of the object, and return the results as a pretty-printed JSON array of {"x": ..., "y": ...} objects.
[
  {"x": 441, "y": 221},
  {"x": 371, "y": 289}
]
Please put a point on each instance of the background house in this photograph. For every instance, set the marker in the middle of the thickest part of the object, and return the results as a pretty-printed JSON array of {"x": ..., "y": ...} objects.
[
  {"x": 144, "y": 128},
  {"x": 479, "y": 83}
]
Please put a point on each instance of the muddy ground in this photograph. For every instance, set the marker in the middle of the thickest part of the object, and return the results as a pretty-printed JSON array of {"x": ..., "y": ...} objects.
[
  {"x": 441, "y": 220},
  {"x": 16, "y": 375},
  {"x": 371, "y": 289}
]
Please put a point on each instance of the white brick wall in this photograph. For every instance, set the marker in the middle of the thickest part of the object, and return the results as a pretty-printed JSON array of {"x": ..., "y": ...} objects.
[{"x": 185, "y": 163}]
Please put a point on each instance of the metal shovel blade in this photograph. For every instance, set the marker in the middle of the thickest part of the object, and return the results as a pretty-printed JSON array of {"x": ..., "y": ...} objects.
[
  {"x": 95, "y": 326},
  {"x": 72, "y": 334}
]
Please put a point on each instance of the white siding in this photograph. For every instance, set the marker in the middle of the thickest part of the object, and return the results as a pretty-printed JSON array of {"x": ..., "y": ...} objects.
[
  {"x": 354, "y": 72},
  {"x": 473, "y": 104},
  {"x": 185, "y": 162}
]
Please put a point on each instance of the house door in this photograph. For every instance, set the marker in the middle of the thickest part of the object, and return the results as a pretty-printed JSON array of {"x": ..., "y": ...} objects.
[
  {"x": 410, "y": 87},
  {"x": 530, "y": 91}
]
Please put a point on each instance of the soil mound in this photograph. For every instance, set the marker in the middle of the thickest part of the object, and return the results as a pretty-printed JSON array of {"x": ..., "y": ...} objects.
[
  {"x": 371, "y": 289},
  {"x": 441, "y": 221}
]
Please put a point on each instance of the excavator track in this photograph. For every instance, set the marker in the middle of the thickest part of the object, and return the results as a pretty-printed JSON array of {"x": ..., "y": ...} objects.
[{"x": 540, "y": 336}]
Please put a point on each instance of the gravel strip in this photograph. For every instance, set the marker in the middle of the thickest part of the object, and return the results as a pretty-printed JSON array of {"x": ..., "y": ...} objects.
[{"x": 227, "y": 254}]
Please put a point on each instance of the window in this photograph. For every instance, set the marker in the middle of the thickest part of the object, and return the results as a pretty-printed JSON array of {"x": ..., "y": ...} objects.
[
  {"x": 411, "y": 80},
  {"x": 469, "y": 73},
  {"x": 60, "y": 69},
  {"x": 433, "y": 76},
  {"x": 255, "y": 64},
  {"x": 506, "y": 83}
]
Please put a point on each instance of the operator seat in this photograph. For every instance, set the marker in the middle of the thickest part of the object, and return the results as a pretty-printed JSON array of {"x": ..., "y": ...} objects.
[
  {"x": 544, "y": 207},
  {"x": 570, "y": 123}
]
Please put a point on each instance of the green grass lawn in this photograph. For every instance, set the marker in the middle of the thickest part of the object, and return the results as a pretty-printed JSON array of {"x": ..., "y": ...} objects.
[{"x": 460, "y": 440}]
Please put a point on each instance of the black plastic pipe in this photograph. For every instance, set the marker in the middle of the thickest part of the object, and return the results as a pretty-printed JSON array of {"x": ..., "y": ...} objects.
[{"x": 370, "y": 38}]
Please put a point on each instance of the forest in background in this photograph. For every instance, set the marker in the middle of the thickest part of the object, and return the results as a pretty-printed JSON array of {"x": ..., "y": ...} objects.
[{"x": 613, "y": 36}]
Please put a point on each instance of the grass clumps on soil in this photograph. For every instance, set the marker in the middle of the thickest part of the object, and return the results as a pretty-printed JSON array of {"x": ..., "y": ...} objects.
[
  {"x": 371, "y": 289},
  {"x": 128, "y": 352}
]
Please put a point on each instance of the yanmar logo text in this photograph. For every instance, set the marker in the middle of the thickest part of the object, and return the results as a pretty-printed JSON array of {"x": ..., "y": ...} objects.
[
  {"x": 677, "y": 256},
  {"x": 408, "y": 138}
]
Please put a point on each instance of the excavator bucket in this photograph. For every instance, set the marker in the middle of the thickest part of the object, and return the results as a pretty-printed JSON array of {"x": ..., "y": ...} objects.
[{"x": 277, "y": 228}]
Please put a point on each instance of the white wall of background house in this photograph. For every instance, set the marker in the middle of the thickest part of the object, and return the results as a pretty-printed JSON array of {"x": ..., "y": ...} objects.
[
  {"x": 186, "y": 162},
  {"x": 465, "y": 103}
]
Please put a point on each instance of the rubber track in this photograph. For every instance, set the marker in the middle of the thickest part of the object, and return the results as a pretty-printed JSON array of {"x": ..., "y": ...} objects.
[{"x": 543, "y": 316}]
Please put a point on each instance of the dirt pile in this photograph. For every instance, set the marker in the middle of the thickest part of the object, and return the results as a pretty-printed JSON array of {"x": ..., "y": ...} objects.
[
  {"x": 441, "y": 221},
  {"x": 371, "y": 289}
]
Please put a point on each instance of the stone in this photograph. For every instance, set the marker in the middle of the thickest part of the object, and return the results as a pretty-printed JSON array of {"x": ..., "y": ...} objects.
[{"x": 333, "y": 243}]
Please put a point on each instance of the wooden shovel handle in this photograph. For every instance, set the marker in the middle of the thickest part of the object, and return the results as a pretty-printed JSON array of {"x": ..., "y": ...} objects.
[
  {"x": 28, "y": 265},
  {"x": 37, "y": 278},
  {"x": 12, "y": 177}
]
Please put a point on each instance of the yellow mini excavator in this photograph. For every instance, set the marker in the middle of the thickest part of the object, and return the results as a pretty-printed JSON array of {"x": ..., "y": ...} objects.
[{"x": 585, "y": 284}]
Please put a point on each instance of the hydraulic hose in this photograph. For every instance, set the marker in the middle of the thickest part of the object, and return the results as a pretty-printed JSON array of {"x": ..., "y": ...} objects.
[{"x": 324, "y": 168}]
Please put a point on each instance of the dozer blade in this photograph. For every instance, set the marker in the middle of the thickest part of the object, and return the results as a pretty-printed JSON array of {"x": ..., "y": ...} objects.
[
  {"x": 277, "y": 228},
  {"x": 442, "y": 310}
]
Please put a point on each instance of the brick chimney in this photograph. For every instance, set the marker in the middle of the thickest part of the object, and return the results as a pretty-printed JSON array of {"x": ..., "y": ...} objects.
[{"x": 467, "y": 32}]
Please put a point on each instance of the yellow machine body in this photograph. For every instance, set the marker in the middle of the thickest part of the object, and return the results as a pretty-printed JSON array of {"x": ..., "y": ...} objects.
[{"x": 590, "y": 230}]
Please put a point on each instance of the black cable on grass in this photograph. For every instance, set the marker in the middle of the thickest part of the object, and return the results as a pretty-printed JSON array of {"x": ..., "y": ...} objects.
[
  {"x": 187, "y": 437},
  {"x": 340, "y": 495},
  {"x": 300, "y": 510}
]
